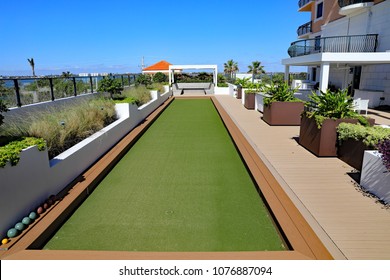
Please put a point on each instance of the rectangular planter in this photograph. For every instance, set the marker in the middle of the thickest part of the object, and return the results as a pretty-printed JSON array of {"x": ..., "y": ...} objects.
[
  {"x": 375, "y": 177},
  {"x": 250, "y": 101},
  {"x": 351, "y": 152},
  {"x": 283, "y": 113},
  {"x": 239, "y": 92},
  {"x": 321, "y": 142}
]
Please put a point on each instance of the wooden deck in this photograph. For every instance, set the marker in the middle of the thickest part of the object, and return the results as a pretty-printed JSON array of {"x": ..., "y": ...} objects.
[{"x": 350, "y": 224}]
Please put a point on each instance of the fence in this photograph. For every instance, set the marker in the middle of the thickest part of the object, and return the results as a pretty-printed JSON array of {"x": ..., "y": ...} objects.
[{"x": 17, "y": 92}]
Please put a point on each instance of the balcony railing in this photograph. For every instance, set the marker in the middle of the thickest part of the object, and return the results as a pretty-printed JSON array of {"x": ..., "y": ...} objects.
[
  {"x": 302, "y": 3},
  {"x": 343, "y": 44},
  {"x": 344, "y": 3},
  {"x": 304, "y": 29}
]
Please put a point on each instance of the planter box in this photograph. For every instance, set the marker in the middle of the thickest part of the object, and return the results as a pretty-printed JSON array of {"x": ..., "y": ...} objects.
[
  {"x": 375, "y": 177},
  {"x": 321, "y": 142},
  {"x": 239, "y": 92},
  {"x": 36, "y": 177},
  {"x": 283, "y": 113},
  {"x": 351, "y": 151},
  {"x": 250, "y": 101}
]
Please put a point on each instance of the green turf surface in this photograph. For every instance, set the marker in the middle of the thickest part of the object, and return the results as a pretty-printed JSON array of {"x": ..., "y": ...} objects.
[{"x": 181, "y": 187}]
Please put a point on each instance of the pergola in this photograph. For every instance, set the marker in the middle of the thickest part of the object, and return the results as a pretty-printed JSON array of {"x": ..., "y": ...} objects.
[{"x": 172, "y": 69}]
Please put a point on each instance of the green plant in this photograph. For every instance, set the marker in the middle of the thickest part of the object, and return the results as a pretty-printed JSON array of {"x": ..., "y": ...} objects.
[
  {"x": 160, "y": 77},
  {"x": 371, "y": 136},
  {"x": 110, "y": 85},
  {"x": 384, "y": 149},
  {"x": 143, "y": 79},
  {"x": 280, "y": 92},
  {"x": 138, "y": 95},
  {"x": 230, "y": 68},
  {"x": 64, "y": 127},
  {"x": 156, "y": 86},
  {"x": 255, "y": 68},
  {"x": 244, "y": 82},
  {"x": 331, "y": 105},
  {"x": 11, "y": 151},
  {"x": 254, "y": 88},
  {"x": 3, "y": 108}
]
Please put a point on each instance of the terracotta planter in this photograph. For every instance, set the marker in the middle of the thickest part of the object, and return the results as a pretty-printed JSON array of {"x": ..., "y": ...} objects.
[
  {"x": 239, "y": 92},
  {"x": 283, "y": 113},
  {"x": 351, "y": 152},
  {"x": 321, "y": 142},
  {"x": 250, "y": 101}
]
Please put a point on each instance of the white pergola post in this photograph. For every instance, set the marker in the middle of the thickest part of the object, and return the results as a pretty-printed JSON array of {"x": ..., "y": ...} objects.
[{"x": 324, "y": 76}]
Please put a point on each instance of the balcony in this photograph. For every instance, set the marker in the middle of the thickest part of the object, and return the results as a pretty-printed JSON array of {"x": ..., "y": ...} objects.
[
  {"x": 304, "y": 29},
  {"x": 305, "y": 5},
  {"x": 336, "y": 44},
  {"x": 348, "y": 7}
]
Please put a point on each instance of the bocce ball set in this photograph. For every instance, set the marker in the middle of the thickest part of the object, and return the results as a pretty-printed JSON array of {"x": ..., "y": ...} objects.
[{"x": 26, "y": 221}]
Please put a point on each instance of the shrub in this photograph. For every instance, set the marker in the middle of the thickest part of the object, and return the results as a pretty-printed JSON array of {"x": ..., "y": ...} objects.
[
  {"x": 110, "y": 85},
  {"x": 244, "y": 82},
  {"x": 11, "y": 151},
  {"x": 160, "y": 78},
  {"x": 65, "y": 127},
  {"x": 143, "y": 79},
  {"x": 280, "y": 92},
  {"x": 3, "y": 108},
  {"x": 371, "y": 136},
  {"x": 138, "y": 95},
  {"x": 157, "y": 86},
  {"x": 384, "y": 149},
  {"x": 331, "y": 105}
]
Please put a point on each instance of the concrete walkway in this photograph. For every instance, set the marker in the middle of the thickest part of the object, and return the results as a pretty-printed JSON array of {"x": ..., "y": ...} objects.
[{"x": 350, "y": 224}]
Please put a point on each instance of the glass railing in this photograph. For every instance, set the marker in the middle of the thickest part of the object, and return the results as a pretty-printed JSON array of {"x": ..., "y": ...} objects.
[
  {"x": 344, "y": 3},
  {"x": 19, "y": 91},
  {"x": 302, "y": 3},
  {"x": 304, "y": 29},
  {"x": 343, "y": 44}
]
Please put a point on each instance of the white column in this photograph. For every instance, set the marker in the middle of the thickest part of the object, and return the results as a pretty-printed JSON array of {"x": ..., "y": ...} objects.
[
  {"x": 286, "y": 72},
  {"x": 324, "y": 76}
]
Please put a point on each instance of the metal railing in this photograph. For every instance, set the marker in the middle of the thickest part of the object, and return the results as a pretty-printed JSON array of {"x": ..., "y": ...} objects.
[
  {"x": 302, "y": 3},
  {"x": 344, "y": 3},
  {"x": 20, "y": 91},
  {"x": 343, "y": 44},
  {"x": 304, "y": 29}
]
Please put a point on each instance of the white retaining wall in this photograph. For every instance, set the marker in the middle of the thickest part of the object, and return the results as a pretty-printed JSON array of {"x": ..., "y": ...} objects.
[
  {"x": 35, "y": 178},
  {"x": 375, "y": 177}
]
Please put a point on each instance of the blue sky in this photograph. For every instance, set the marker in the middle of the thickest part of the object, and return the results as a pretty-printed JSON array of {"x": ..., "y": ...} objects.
[{"x": 113, "y": 36}]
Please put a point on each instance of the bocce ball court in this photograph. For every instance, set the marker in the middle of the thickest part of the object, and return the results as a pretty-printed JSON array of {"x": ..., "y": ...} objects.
[{"x": 184, "y": 184}]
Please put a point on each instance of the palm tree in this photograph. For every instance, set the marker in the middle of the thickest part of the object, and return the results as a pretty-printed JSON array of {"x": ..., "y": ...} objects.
[
  {"x": 32, "y": 64},
  {"x": 230, "y": 67},
  {"x": 256, "y": 68}
]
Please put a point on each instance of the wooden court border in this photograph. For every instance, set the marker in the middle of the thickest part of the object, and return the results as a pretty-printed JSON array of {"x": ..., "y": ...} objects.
[{"x": 304, "y": 242}]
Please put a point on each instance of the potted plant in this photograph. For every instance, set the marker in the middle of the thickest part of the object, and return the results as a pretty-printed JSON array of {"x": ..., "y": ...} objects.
[
  {"x": 241, "y": 83},
  {"x": 354, "y": 139},
  {"x": 375, "y": 177},
  {"x": 281, "y": 107},
  {"x": 250, "y": 95},
  {"x": 322, "y": 115}
]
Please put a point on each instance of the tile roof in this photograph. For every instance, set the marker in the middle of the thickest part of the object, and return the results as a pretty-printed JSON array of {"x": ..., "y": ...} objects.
[{"x": 161, "y": 65}]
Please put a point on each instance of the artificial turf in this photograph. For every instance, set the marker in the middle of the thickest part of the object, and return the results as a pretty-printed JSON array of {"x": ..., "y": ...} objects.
[{"x": 181, "y": 187}]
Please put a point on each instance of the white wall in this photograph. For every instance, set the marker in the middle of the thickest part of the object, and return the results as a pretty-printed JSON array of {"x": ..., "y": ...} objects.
[
  {"x": 35, "y": 178},
  {"x": 375, "y": 20}
]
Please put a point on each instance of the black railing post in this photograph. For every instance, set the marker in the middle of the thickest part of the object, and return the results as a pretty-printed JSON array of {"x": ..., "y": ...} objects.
[
  {"x": 74, "y": 86},
  {"x": 17, "y": 92},
  {"x": 129, "y": 79},
  {"x": 91, "y": 83},
  {"x": 51, "y": 89},
  {"x": 123, "y": 82}
]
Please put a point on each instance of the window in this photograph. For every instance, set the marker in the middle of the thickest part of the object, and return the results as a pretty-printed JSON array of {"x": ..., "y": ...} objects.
[{"x": 319, "y": 10}]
